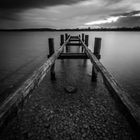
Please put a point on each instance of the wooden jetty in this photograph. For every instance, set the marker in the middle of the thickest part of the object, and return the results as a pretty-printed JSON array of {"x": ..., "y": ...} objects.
[{"x": 16, "y": 101}]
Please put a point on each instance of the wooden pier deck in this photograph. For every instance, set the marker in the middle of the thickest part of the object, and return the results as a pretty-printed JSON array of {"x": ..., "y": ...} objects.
[{"x": 98, "y": 109}]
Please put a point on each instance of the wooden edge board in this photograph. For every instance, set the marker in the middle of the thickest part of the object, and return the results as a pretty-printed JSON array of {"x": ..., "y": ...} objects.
[
  {"x": 34, "y": 80},
  {"x": 132, "y": 108}
]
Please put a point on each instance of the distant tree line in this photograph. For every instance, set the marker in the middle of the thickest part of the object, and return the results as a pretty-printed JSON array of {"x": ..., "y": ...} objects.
[{"x": 76, "y": 29}]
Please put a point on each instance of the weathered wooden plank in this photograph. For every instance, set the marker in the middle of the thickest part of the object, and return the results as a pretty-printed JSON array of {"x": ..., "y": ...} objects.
[
  {"x": 133, "y": 110},
  {"x": 73, "y": 56},
  {"x": 12, "y": 102}
]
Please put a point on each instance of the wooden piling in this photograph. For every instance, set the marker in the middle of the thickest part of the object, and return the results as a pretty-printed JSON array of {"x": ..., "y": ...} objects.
[
  {"x": 61, "y": 40},
  {"x": 79, "y": 43},
  {"x": 67, "y": 49},
  {"x": 83, "y": 37},
  {"x": 51, "y": 52},
  {"x": 94, "y": 74},
  {"x": 66, "y": 36},
  {"x": 86, "y": 40},
  {"x": 97, "y": 48}
]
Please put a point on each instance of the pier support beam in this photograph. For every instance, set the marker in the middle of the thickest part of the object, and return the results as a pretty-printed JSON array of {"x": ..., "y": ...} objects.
[
  {"x": 51, "y": 52},
  {"x": 97, "y": 48}
]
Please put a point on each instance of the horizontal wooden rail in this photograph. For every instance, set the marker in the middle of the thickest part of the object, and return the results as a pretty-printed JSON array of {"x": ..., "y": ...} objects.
[
  {"x": 132, "y": 109},
  {"x": 13, "y": 101},
  {"x": 74, "y": 44},
  {"x": 74, "y": 39},
  {"x": 73, "y": 56}
]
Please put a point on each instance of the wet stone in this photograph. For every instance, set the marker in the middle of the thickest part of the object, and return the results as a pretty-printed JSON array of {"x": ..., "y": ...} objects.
[{"x": 70, "y": 89}]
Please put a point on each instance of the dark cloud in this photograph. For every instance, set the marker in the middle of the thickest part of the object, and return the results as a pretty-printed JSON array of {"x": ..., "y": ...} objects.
[
  {"x": 132, "y": 21},
  {"x": 109, "y": 2},
  {"x": 22, "y": 12},
  {"x": 25, "y": 4},
  {"x": 10, "y": 8},
  {"x": 128, "y": 14},
  {"x": 129, "y": 21}
]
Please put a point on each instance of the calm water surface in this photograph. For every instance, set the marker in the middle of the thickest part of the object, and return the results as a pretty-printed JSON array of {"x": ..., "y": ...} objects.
[{"x": 23, "y": 52}]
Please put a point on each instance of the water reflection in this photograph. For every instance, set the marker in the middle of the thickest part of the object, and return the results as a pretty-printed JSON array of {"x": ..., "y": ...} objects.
[{"x": 120, "y": 54}]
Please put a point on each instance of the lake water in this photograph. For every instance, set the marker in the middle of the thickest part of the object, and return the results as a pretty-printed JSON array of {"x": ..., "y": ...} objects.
[{"x": 22, "y": 52}]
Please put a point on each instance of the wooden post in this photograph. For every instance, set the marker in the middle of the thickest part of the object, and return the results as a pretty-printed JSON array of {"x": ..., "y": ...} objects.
[
  {"x": 94, "y": 74},
  {"x": 97, "y": 48},
  {"x": 67, "y": 49},
  {"x": 51, "y": 52},
  {"x": 86, "y": 39},
  {"x": 83, "y": 39},
  {"x": 66, "y": 36},
  {"x": 61, "y": 39}
]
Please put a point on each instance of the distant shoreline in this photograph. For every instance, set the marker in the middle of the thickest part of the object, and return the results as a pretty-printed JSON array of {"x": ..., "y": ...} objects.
[{"x": 137, "y": 29}]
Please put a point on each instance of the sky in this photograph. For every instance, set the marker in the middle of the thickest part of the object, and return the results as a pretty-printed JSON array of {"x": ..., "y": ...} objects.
[{"x": 69, "y": 13}]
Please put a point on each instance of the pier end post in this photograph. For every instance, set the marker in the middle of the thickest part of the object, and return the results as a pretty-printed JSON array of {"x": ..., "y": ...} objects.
[
  {"x": 97, "y": 48},
  {"x": 66, "y": 37},
  {"x": 61, "y": 40},
  {"x": 79, "y": 41},
  {"x": 86, "y": 39},
  {"x": 51, "y": 52},
  {"x": 83, "y": 37}
]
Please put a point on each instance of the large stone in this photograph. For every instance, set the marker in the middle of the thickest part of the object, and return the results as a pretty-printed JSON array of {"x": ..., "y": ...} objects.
[{"x": 70, "y": 89}]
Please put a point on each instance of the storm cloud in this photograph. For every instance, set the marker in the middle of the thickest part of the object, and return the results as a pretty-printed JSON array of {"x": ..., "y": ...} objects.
[
  {"x": 64, "y": 13},
  {"x": 25, "y": 4},
  {"x": 129, "y": 14}
]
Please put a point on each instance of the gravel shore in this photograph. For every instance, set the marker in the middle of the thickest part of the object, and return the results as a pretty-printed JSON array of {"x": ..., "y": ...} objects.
[{"x": 51, "y": 113}]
